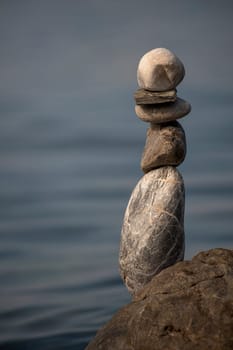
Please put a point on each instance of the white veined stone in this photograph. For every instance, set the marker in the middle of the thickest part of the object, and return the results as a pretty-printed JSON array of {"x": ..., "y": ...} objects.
[{"x": 152, "y": 236}]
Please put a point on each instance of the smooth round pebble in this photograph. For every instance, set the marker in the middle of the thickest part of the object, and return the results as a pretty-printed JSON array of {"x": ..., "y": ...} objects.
[
  {"x": 160, "y": 70},
  {"x": 162, "y": 113}
]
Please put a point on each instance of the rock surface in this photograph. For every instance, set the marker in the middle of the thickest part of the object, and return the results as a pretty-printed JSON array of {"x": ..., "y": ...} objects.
[
  {"x": 160, "y": 70},
  {"x": 162, "y": 113},
  {"x": 144, "y": 97},
  {"x": 165, "y": 145},
  {"x": 188, "y": 306},
  {"x": 152, "y": 236}
]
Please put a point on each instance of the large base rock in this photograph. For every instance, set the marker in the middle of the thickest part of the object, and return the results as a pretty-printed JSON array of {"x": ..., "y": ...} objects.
[{"x": 188, "y": 306}]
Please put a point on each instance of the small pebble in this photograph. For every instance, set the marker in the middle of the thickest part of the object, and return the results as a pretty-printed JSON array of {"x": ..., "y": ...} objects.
[
  {"x": 145, "y": 97},
  {"x": 165, "y": 145},
  {"x": 162, "y": 113},
  {"x": 160, "y": 70}
]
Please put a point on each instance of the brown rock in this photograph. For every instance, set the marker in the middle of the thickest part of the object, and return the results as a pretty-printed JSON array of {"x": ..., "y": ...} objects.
[
  {"x": 165, "y": 145},
  {"x": 188, "y": 306},
  {"x": 162, "y": 113},
  {"x": 144, "y": 97}
]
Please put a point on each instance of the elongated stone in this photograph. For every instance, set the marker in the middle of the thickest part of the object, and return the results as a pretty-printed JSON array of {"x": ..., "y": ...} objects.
[
  {"x": 160, "y": 70},
  {"x": 165, "y": 145},
  {"x": 152, "y": 236},
  {"x": 162, "y": 113},
  {"x": 144, "y": 97}
]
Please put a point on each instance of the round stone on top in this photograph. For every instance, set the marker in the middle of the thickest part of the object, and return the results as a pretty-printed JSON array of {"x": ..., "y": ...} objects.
[{"x": 159, "y": 70}]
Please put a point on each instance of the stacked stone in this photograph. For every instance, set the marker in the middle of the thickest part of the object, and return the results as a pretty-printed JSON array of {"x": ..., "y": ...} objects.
[{"x": 152, "y": 236}]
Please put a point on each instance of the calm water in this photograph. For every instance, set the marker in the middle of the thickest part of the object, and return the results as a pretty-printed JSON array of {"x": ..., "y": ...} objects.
[{"x": 70, "y": 153}]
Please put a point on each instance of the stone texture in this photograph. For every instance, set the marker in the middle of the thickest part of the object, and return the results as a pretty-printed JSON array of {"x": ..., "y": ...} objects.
[
  {"x": 152, "y": 236},
  {"x": 144, "y": 97},
  {"x": 162, "y": 113},
  {"x": 188, "y": 306},
  {"x": 159, "y": 70},
  {"x": 165, "y": 145}
]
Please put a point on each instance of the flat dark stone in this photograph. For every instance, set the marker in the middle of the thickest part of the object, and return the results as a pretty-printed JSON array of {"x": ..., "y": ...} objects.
[{"x": 145, "y": 97}]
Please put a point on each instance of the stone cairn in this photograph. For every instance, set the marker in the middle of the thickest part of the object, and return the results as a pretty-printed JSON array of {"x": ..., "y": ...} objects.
[{"x": 152, "y": 236}]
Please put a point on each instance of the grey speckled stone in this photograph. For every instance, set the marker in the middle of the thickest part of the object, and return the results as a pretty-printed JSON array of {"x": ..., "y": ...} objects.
[
  {"x": 152, "y": 236},
  {"x": 144, "y": 97},
  {"x": 162, "y": 113},
  {"x": 165, "y": 145},
  {"x": 159, "y": 70}
]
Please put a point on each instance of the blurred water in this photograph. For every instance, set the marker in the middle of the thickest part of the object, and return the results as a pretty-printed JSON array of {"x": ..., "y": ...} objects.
[{"x": 70, "y": 157}]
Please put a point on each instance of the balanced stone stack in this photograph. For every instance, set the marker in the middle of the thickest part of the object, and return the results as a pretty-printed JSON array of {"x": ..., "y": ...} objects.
[{"x": 152, "y": 235}]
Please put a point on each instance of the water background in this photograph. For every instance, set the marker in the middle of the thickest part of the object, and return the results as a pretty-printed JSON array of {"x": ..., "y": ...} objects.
[{"x": 71, "y": 146}]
